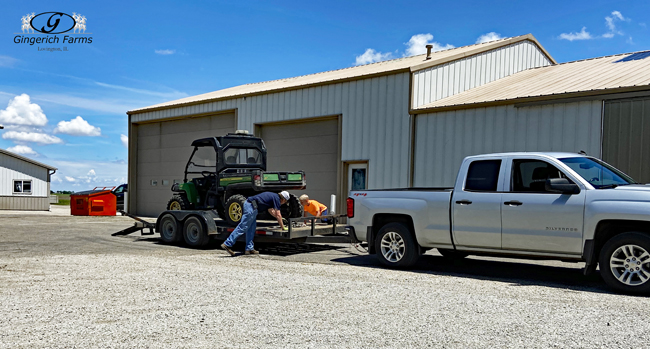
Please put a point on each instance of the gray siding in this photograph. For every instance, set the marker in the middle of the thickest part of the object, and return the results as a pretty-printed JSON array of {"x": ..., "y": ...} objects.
[
  {"x": 443, "y": 139},
  {"x": 445, "y": 80},
  {"x": 626, "y": 136},
  {"x": 24, "y": 203},
  {"x": 374, "y": 111}
]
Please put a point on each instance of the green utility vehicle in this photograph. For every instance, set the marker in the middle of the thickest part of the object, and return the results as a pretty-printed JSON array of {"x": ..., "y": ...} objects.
[{"x": 223, "y": 172}]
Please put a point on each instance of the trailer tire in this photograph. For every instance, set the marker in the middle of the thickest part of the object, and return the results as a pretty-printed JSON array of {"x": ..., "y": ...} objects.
[
  {"x": 178, "y": 202},
  {"x": 194, "y": 232},
  {"x": 396, "y": 247},
  {"x": 234, "y": 209},
  {"x": 170, "y": 229},
  {"x": 624, "y": 262}
]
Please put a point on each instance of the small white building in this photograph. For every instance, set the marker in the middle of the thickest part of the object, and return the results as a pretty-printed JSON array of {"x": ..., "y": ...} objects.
[{"x": 24, "y": 183}]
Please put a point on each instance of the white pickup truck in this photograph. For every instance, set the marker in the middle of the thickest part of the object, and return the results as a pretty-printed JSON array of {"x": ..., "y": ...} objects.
[{"x": 561, "y": 206}]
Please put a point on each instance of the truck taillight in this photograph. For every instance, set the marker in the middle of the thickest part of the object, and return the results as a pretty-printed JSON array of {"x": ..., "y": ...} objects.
[
  {"x": 258, "y": 180},
  {"x": 350, "y": 202}
]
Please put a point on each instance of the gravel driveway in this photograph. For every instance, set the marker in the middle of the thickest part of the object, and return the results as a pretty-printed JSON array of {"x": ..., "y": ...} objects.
[{"x": 65, "y": 282}]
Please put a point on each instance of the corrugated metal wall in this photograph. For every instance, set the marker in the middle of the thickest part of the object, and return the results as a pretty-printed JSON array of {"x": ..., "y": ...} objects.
[
  {"x": 443, "y": 139},
  {"x": 15, "y": 169},
  {"x": 626, "y": 136},
  {"x": 12, "y": 168},
  {"x": 374, "y": 111},
  {"x": 445, "y": 80}
]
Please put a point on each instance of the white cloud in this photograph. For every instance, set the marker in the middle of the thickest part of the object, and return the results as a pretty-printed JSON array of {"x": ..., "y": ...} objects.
[
  {"x": 35, "y": 137},
  {"x": 125, "y": 140},
  {"x": 491, "y": 36},
  {"x": 77, "y": 127},
  {"x": 372, "y": 56},
  {"x": 168, "y": 95},
  {"x": 6, "y": 61},
  {"x": 22, "y": 149},
  {"x": 21, "y": 111},
  {"x": 55, "y": 179},
  {"x": 417, "y": 45},
  {"x": 582, "y": 35},
  {"x": 70, "y": 179},
  {"x": 611, "y": 25},
  {"x": 91, "y": 173},
  {"x": 165, "y": 52}
]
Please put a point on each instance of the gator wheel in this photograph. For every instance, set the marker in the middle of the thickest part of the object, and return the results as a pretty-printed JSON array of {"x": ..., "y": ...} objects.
[
  {"x": 234, "y": 209},
  {"x": 178, "y": 202}
]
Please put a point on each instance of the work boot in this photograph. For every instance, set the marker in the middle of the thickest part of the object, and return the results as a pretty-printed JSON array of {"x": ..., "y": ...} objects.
[
  {"x": 252, "y": 252},
  {"x": 225, "y": 247}
]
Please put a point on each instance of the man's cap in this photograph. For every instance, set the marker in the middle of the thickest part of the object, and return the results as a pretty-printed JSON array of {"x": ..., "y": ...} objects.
[{"x": 285, "y": 195}]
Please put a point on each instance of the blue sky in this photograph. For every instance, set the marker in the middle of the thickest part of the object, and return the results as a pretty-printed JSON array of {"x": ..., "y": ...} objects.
[{"x": 68, "y": 109}]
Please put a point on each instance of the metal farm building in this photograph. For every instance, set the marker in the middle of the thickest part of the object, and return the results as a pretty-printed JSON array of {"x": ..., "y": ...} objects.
[
  {"x": 24, "y": 183},
  {"x": 399, "y": 123}
]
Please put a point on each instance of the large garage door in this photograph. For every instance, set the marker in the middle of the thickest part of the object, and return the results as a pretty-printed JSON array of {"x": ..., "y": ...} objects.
[
  {"x": 163, "y": 151},
  {"x": 626, "y": 136},
  {"x": 309, "y": 146}
]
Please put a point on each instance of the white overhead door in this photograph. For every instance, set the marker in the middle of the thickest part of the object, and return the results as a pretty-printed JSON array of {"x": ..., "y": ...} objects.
[
  {"x": 311, "y": 146},
  {"x": 163, "y": 150}
]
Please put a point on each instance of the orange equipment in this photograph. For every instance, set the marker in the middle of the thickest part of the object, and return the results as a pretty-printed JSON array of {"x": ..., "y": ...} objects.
[{"x": 96, "y": 202}]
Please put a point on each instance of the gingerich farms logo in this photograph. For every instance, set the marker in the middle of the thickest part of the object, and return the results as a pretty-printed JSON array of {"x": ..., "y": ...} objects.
[{"x": 53, "y": 28}]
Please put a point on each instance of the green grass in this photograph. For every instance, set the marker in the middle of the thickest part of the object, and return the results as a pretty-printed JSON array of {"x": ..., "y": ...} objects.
[{"x": 64, "y": 199}]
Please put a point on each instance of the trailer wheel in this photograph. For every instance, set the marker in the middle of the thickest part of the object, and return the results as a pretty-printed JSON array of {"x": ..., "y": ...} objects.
[
  {"x": 178, "y": 202},
  {"x": 170, "y": 229},
  {"x": 625, "y": 263},
  {"x": 234, "y": 209},
  {"x": 396, "y": 247},
  {"x": 194, "y": 232}
]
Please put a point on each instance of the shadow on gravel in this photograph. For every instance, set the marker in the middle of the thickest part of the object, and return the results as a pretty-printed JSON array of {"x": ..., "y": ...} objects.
[
  {"x": 273, "y": 249},
  {"x": 515, "y": 273}
]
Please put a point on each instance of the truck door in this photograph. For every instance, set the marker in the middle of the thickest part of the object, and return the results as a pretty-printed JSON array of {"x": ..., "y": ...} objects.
[
  {"x": 476, "y": 205},
  {"x": 537, "y": 220}
]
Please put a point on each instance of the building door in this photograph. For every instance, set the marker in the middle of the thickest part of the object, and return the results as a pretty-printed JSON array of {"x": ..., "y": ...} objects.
[
  {"x": 311, "y": 146},
  {"x": 626, "y": 136}
]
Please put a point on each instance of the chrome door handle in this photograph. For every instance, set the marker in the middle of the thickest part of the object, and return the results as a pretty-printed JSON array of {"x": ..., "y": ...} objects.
[
  {"x": 513, "y": 203},
  {"x": 464, "y": 202}
]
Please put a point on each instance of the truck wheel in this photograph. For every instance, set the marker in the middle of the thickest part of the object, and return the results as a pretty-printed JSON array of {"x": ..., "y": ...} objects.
[
  {"x": 396, "y": 247},
  {"x": 170, "y": 229},
  {"x": 625, "y": 263},
  {"x": 178, "y": 202},
  {"x": 194, "y": 232},
  {"x": 452, "y": 254},
  {"x": 234, "y": 209}
]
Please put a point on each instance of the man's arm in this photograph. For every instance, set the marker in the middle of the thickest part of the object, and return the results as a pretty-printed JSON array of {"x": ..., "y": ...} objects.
[{"x": 278, "y": 215}]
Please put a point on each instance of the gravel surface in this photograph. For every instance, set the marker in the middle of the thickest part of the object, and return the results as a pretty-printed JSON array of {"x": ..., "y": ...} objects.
[{"x": 105, "y": 291}]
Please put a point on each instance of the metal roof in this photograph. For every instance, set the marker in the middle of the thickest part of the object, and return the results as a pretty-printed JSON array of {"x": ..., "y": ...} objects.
[
  {"x": 405, "y": 64},
  {"x": 14, "y": 155},
  {"x": 622, "y": 72}
]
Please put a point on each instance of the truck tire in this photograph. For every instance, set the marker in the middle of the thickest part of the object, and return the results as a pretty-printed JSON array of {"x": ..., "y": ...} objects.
[
  {"x": 452, "y": 254},
  {"x": 396, "y": 247},
  {"x": 178, "y": 202},
  {"x": 194, "y": 232},
  {"x": 234, "y": 209},
  {"x": 293, "y": 208},
  {"x": 170, "y": 229},
  {"x": 625, "y": 263}
]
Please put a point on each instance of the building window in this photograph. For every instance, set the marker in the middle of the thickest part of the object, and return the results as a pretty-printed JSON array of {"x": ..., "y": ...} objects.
[{"x": 22, "y": 187}]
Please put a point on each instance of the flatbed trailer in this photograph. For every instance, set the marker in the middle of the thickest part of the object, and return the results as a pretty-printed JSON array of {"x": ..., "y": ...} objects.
[{"x": 197, "y": 227}]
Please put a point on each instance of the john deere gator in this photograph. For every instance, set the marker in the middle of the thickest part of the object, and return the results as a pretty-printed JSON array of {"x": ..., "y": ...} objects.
[{"x": 223, "y": 172}]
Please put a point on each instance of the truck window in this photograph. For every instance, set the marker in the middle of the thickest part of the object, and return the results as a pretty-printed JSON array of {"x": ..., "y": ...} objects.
[
  {"x": 483, "y": 175},
  {"x": 530, "y": 176}
]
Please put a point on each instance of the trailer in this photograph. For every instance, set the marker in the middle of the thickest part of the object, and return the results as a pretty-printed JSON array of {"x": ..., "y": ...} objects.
[{"x": 197, "y": 227}]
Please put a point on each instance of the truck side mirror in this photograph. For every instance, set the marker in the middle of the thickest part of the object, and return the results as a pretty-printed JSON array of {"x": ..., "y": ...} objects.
[{"x": 561, "y": 185}]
